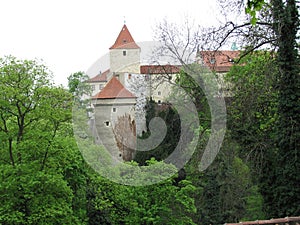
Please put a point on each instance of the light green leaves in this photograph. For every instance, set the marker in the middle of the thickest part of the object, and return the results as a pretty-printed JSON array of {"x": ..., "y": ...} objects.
[{"x": 252, "y": 7}]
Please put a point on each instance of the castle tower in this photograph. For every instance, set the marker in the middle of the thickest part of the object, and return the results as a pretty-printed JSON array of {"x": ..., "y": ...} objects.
[
  {"x": 124, "y": 54},
  {"x": 114, "y": 116}
]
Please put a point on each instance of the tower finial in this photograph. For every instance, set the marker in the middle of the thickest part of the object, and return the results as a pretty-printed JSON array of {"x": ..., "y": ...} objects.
[
  {"x": 124, "y": 20},
  {"x": 234, "y": 46}
]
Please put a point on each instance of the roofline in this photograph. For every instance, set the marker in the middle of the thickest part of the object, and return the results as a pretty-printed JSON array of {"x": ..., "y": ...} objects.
[
  {"x": 271, "y": 221},
  {"x": 114, "y": 97}
]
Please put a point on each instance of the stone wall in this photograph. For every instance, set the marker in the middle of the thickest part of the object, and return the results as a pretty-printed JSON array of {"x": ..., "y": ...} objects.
[{"x": 106, "y": 113}]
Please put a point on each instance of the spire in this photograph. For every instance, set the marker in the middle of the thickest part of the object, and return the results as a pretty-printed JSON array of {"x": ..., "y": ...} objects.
[
  {"x": 124, "y": 40},
  {"x": 234, "y": 46}
]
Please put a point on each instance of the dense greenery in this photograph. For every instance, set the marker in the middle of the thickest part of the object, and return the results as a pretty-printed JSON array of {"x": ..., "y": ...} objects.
[
  {"x": 256, "y": 125},
  {"x": 286, "y": 18},
  {"x": 39, "y": 165},
  {"x": 166, "y": 147},
  {"x": 45, "y": 180},
  {"x": 281, "y": 177}
]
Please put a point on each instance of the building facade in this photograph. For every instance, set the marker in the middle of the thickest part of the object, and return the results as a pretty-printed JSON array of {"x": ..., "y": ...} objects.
[{"x": 121, "y": 92}]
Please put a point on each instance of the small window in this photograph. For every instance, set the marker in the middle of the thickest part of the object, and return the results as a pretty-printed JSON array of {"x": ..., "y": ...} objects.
[
  {"x": 159, "y": 93},
  {"x": 107, "y": 123},
  {"x": 100, "y": 86},
  {"x": 159, "y": 102},
  {"x": 114, "y": 109},
  {"x": 124, "y": 53},
  {"x": 93, "y": 87},
  {"x": 129, "y": 76}
]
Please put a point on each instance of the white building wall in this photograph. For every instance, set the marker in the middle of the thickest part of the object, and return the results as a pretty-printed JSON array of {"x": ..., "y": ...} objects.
[
  {"x": 161, "y": 86},
  {"x": 122, "y": 58},
  {"x": 96, "y": 87}
]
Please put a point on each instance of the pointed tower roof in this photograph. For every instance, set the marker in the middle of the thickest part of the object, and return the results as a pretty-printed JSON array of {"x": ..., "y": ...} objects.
[
  {"x": 113, "y": 89},
  {"x": 124, "y": 40}
]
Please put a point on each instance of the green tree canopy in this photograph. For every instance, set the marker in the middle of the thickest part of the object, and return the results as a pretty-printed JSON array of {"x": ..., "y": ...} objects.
[{"x": 37, "y": 150}]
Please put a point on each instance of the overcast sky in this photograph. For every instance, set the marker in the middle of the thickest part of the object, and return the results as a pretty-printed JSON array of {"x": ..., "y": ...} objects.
[{"x": 70, "y": 35}]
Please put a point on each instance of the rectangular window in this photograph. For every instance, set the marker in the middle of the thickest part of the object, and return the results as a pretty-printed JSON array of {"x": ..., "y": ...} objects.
[
  {"x": 159, "y": 93},
  {"x": 114, "y": 109},
  {"x": 93, "y": 87},
  {"x": 124, "y": 53}
]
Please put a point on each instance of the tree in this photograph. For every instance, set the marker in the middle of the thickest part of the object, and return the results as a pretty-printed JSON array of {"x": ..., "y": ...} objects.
[
  {"x": 285, "y": 26},
  {"x": 252, "y": 7},
  {"x": 80, "y": 89},
  {"x": 256, "y": 101},
  {"x": 272, "y": 26},
  {"x": 37, "y": 149},
  {"x": 77, "y": 85},
  {"x": 120, "y": 204},
  {"x": 31, "y": 196},
  {"x": 170, "y": 141},
  {"x": 253, "y": 108}
]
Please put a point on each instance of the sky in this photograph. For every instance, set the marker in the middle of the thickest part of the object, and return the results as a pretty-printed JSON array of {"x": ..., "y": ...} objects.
[{"x": 69, "y": 36}]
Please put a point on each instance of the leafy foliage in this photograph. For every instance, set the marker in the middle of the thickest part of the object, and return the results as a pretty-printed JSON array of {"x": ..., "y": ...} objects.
[
  {"x": 144, "y": 207},
  {"x": 37, "y": 150},
  {"x": 257, "y": 125},
  {"x": 253, "y": 109},
  {"x": 172, "y": 120},
  {"x": 252, "y": 7}
]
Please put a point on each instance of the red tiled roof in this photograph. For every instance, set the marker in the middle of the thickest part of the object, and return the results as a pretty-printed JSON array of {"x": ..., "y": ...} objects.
[
  {"x": 99, "y": 78},
  {"x": 113, "y": 89},
  {"x": 124, "y": 40},
  {"x": 285, "y": 220},
  {"x": 219, "y": 61},
  {"x": 159, "y": 69}
]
